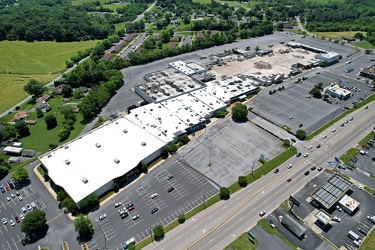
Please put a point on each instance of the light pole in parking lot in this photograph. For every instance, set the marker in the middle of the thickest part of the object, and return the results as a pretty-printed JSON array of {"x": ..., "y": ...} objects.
[{"x": 152, "y": 239}]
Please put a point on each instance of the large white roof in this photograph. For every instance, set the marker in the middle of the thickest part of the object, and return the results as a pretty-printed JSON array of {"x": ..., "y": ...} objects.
[
  {"x": 219, "y": 92},
  {"x": 159, "y": 121},
  {"x": 99, "y": 156},
  {"x": 183, "y": 111},
  {"x": 209, "y": 99}
]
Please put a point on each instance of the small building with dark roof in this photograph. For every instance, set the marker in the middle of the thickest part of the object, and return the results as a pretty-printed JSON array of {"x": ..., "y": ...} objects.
[
  {"x": 368, "y": 72},
  {"x": 293, "y": 225}
]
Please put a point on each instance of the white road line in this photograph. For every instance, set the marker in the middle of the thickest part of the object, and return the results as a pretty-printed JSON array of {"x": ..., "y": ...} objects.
[{"x": 15, "y": 243}]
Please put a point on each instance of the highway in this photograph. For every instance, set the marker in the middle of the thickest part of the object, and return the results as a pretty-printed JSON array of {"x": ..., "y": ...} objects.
[{"x": 220, "y": 224}]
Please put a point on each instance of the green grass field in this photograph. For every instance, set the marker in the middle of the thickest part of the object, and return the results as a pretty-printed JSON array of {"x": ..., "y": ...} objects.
[
  {"x": 113, "y": 6},
  {"x": 369, "y": 242},
  {"x": 79, "y": 2},
  {"x": 364, "y": 45},
  {"x": 20, "y": 57},
  {"x": 243, "y": 243},
  {"x": 334, "y": 35},
  {"x": 11, "y": 88}
]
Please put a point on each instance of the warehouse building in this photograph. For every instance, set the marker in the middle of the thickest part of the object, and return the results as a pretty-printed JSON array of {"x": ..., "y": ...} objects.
[{"x": 329, "y": 57}]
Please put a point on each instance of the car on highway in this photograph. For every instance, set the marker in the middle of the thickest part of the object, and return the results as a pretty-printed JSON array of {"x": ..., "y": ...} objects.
[
  {"x": 290, "y": 166},
  {"x": 276, "y": 170},
  {"x": 169, "y": 177},
  {"x": 362, "y": 231},
  {"x": 320, "y": 169},
  {"x": 154, "y": 210},
  {"x": 306, "y": 155},
  {"x": 5, "y": 221},
  {"x": 313, "y": 167},
  {"x": 262, "y": 213},
  {"x": 170, "y": 189},
  {"x": 130, "y": 205},
  {"x": 329, "y": 162},
  {"x": 307, "y": 173},
  {"x": 11, "y": 222},
  {"x": 118, "y": 204},
  {"x": 102, "y": 217},
  {"x": 289, "y": 180},
  {"x": 154, "y": 195},
  {"x": 135, "y": 217},
  {"x": 333, "y": 130},
  {"x": 298, "y": 154}
]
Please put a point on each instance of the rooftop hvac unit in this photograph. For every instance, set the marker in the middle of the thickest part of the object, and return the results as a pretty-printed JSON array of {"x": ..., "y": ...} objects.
[
  {"x": 117, "y": 160},
  {"x": 66, "y": 147},
  {"x": 98, "y": 145},
  {"x": 143, "y": 143},
  {"x": 84, "y": 180},
  {"x": 125, "y": 131},
  {"x": 67, "y": 162},
  {"x": 49, "y": 155}
]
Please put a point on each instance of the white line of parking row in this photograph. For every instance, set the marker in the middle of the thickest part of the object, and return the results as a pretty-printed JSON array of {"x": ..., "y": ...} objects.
[
  {"x": 194, "y": 178},
  {"x": 10, "y": 246}
]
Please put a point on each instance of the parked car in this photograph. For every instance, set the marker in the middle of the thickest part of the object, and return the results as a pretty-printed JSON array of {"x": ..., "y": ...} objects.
[
  {"x": 8, "y": 198},
  {"x": 7, "y": 188},
  {"x": 333, "y": 130},
  {"x": 11, "y": 222},
  {"x": 169, "y": 177},
  {"x": 33, "y": 205},
  {"x": 22, "y": 217},
  {"x": 17, "y": 219},
  {"x": 118, "y": 204},
  {"x": 170, "y": 189},
  {"x": 154, "y": 195},
  {"x": 335, "y": 218},
  {"x": 24, "y": 242},
  {"x": 102, "y": 217},
  {"x": 262, "y": 213},
  {"x": 129, "y": 205},
  {"x": 135, "y": 217},
  {"x": 324, "y": 136},
  {"x": 330, "y": 162},
  {"x": 339, "y": 208},
  {"x": 362, "y": 231},
  {"x": 371, "y": 218},
  {"x": 24, "y": 209},
  {"x": 5, "y": 221},
  {"x": 154, "y": 210},
  {"x": 306, "y": 155},
  {"x": 20, "y": 198},
  {"x": 28, "y": 206},
  {"x": 2, "y": 189},
  {"x": 318, "y": 146}
]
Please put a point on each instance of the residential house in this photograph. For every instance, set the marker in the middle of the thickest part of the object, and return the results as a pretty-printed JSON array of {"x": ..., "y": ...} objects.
[
  {"x": 43, "y": 98},
  {"x": 20, "y": 116},
  {"x": 58, "y": 89}
]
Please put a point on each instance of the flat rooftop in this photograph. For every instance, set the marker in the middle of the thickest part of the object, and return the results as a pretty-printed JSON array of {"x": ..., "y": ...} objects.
[
  {"x": 217, "y": 91},
  {"x": 293, "y": 225},
  {"x": 331, "y": 191},
  {"x": 183, "y": 110},
  {"x": 99, "y": 156},
  {"x": 349, "y": 203}
]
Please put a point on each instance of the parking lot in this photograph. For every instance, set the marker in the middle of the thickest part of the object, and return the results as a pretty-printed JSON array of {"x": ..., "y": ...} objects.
[
  {"x": 365, "y": 161},
  {"x": 229, "y": 149},
  {"x": 336, "y": 232},
  {"x": 15, "y": 203},
  {"x": 190, "y": 189}
]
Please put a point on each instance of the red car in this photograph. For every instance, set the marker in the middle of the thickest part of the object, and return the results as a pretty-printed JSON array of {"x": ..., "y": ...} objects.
[
  {"x": 131, "y": 208},
  {"x": 290, "y": 179},
  {"x": 17, "y": 219},
  {"x": 7, "y": 187}
]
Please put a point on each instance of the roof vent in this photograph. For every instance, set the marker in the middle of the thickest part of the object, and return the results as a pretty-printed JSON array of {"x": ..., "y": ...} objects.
[
  {"x": 66, "y": 147},
  {"x": 84, "y": 179},
  {"x": 125, "y": 131},
  {"x": 116, "y": 122},
  {"x": 117, "y": 160},
  {"x": 143, "y": 143},
  {"x": 98, "y": 145},
  {"x": 49, "y": 155},
  {"x": 67, "y": 162}
]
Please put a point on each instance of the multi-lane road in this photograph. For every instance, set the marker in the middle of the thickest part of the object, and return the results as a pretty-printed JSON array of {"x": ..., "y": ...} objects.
[{"x": 222, "y": 223}]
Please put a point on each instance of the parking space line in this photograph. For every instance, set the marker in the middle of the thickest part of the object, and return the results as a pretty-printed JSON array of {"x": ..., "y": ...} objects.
[
  {"x": 14, "y": 243},
  {"x": 9, "y": 245},
  {"x": 3, "y": 246}
]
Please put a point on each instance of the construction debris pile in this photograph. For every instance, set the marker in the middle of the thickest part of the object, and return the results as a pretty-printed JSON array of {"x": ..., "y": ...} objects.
[
  {"x": 262, "y": 65},
  {"x": 299, "y": 57}
]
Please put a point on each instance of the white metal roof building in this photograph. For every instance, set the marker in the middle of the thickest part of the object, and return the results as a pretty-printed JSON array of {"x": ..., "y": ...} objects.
[
  {"x": 159, "y": 121},
  {"x": 89, "y": 163},
  {"x": 209, "y": 99},
  {"x": 329, "y": 57},
  {"x": 13, "y": 150},
  {"x": 219, "y": 92},
  {"x": 181, "y": 66}
]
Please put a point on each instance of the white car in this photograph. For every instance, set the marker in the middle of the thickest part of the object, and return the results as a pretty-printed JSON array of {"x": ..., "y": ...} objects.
[
  {"x": 336, "y": 219},
  {"x": 339, "y": 208},
  {"x": 12, "y": 195},
  {"x": 310, "y": 147},
  {"x": 306, "y": 155},
  {"x": 290, "y": 165},
  {"x": 20, "y": 198},
  {"x": 22, "y": 217},
  {"x": 5, "y": 221},
  {"x": 8, "y": 198},
  {"x": 324, "y": 136},
  {"x": 262, "y": 213},
  {"x": 33, "y": 205},
  {"x": 135, "y": 217},
  {"x": 28, "y": 206},
  {"x": 329, "y": 162},
  {"x": 118, "y": 204},
  {"x": 154, "y": 195},
  {"x": 333, "y": 130},
  {"x": 11, "y": 222},
  {"x": 24, "y": 209},
  {"x": 102, "y": 217}
]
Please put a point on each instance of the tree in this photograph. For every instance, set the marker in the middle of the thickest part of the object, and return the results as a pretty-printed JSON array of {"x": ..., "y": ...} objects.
[
  {"x": 242, "y": 181},
  {"x": 158, "y": 231},
  {"x": 34, "y": 222},
  {"x": 67, "y": 91},
  {"x": 46, "y": 177},
  {"x": 301, "y": 134},
  {"x": 69, "y": 204},
  {"x": 35, "y": 88},
  {"x": 280, "y": 26},
  {"x": 257, "y": 48},
  {"x": 116, "y": 188},
  {"x": 77, "y": 94},
  {"x": 239, "y": 111},
  {"x": 82, "y": 224},
  {"x": 4, "y": 171},
  {"x": 89, "y": 202},
  {"x": 39, "y": 112},
  {"x": 22, "y": 128},
  {"x": 50, "y": 121},
  {"x": 61, "y": 195},
  {"x": 181, "y": 218},
  {"x": 224, "y": 193},
  {"x": 68, "y": 113},
  {"x": 286, "y": 143},
  {"x": 64, "y": 134},
  {"x": 359, "y": 35},
  {"x": 10, "y": 131},
  {"x": 183, "y": 139},
  {"x": 220, "y": 113},
  {"x": 172, "y": 148},
  {"x": 20, "y": 175},
  {"x": 317, "y": 93}
]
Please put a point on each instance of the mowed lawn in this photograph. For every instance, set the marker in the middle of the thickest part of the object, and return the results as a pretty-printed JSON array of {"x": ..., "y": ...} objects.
[
  {"x": 20, "y": 57},
  {"x": 334, "y": 35},
  {"x": 11, "y": 88}
]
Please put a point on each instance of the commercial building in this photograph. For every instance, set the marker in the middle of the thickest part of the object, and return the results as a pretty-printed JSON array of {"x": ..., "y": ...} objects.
[
  {"x": 338, "y": 92},
  {"x": 90, "y": 163},
  {"x": 368, "y": 72},
  {"x": 323, "y": 217},
  {"x": 293, "y": 225},
  {"x": 348, "y": 204},
  {"x": 329, "y": 57},
  {"x": 12, "y": 150}
]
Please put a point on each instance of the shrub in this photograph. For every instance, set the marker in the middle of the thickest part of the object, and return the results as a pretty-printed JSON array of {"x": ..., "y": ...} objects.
[
  {"x": 116, "y": 188},
  {"x": 172, "y": 148},
  {"x": 181, "y": 218},
  {"x": 301, "y": 134},
  {"x": 242, "y": 181},
  {"x": 224, "y": 193},
  {"x": 144, "y": 168},
  {"x": 46, "y": 177},
  {"x": 183, "y": 139},
  {"x": 158, "y": 231},
  {"x": 220, "y": 113}
]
